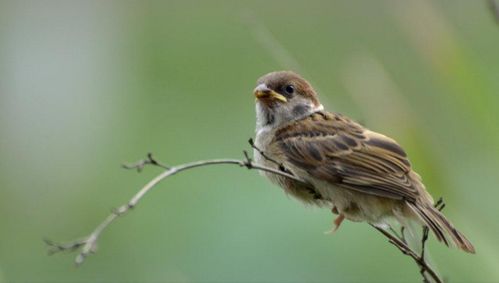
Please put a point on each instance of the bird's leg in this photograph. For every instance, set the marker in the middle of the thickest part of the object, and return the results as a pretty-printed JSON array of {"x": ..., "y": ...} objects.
[{"x": 337, "y": 221}]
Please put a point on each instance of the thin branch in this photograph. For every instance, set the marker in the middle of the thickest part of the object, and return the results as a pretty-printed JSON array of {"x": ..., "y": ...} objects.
[
  {"x": 400, "y": 242},
  {"x": 401, "y": 236},
  {"x": 149, "y": 160},
  {"x": 405, "y": 249},
  {"x": 264, "y": 155},
  {"x": 88, "y": 244},
  {"x": 56, "y": 247},
  {"x": 422, "y": 256}
]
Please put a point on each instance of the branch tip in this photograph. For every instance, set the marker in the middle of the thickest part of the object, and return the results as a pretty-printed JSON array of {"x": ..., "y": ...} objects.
[
  {"x": 440, "y": 204},
  {"x": 149, "y": 160},
  {"x": 88, "y": 244},
  {"x": 54, "y": 247}
]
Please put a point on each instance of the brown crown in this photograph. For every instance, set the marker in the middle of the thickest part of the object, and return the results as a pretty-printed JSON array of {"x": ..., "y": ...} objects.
[{"x": 280, "y": 79}]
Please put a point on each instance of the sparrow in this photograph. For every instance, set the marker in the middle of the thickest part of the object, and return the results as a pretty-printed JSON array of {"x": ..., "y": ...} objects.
[{"x": 361, "y": 175}]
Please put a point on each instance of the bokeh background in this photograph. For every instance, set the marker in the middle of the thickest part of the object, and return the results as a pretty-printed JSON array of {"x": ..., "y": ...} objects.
[{"x": 87, "y": 85}]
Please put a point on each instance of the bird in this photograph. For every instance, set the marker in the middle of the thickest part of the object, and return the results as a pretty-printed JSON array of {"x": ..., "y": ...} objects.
[{"x": 361, "y": 175}]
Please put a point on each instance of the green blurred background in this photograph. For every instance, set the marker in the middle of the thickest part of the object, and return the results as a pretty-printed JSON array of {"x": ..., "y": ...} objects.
[{"x": 87, "y": 85}]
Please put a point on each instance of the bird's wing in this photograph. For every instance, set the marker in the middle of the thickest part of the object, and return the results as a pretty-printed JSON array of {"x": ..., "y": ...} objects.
[{"x": 332, "y": 148}]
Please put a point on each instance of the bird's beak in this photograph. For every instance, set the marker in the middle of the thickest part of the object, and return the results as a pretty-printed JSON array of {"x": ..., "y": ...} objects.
[{"x": 262, "y": 92}]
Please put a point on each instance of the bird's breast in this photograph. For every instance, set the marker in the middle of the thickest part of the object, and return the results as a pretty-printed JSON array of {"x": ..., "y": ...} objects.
[{"x": 263, "y": 141}]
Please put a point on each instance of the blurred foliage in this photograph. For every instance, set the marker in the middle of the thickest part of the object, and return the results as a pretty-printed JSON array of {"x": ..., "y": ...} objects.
[{"x": 86, "y": 85}]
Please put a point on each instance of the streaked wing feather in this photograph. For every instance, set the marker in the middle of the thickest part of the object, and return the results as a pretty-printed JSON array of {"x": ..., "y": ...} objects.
[{"x": 335, "y": 149}]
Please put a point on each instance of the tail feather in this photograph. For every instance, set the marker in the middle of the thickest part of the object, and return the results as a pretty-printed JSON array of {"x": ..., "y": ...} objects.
[{"x": 441, "y": 227}]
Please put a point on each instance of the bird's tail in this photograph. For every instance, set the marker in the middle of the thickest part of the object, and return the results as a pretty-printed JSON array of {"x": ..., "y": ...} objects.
[{"x": 440, "y": 226}]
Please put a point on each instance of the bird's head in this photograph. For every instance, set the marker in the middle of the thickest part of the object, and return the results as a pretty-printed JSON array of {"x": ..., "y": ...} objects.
[{"x": 282, "y": 97}]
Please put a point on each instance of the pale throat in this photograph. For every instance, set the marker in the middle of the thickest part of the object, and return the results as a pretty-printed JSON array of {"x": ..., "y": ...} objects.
[{"x": 268, "y": 119}]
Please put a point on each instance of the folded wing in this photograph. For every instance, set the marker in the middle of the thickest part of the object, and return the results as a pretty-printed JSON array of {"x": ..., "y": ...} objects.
[{"x": 333, "y": 148}]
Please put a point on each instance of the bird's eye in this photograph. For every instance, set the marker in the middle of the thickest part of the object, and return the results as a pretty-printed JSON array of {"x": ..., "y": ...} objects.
[{"x": 289, "y": 89}]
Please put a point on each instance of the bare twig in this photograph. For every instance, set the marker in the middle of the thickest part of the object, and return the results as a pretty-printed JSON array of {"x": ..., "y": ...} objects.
[
  {"x": 149, "y": 160},
  {"x": 405, "y": 249},
  {"x": 424, "y": 238},
  {"x": 398, "y": 240},
  {"x": 88, "y": 244},
  {"x": 396, "y": 234},
  {"x": 56, "y": 247},
  {"x": 279, "y": 165}
]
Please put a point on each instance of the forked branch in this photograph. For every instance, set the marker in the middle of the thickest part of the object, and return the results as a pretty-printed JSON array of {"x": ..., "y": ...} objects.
[
  {"x": 88, "y": 245},
  {"x": 398, "y": 240}
]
